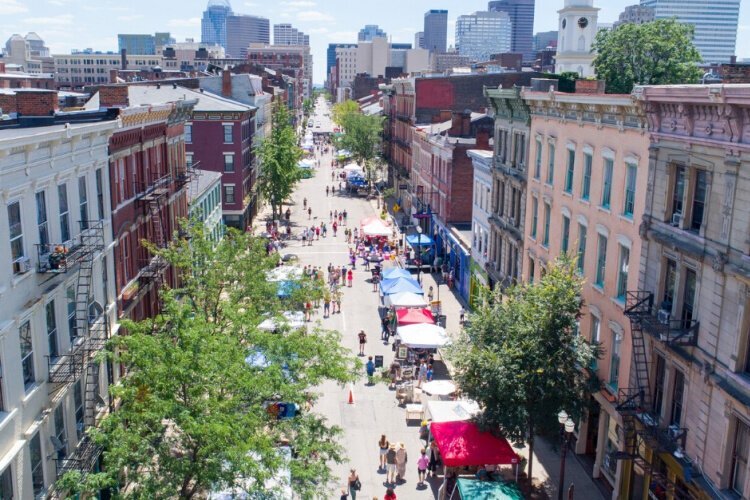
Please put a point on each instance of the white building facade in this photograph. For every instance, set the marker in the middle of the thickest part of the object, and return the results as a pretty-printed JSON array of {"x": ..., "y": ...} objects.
[
  {"x": 57, "y": 292},
  {"x": 482, "y": 34},
  {"x": 577, "y": 29},
  {"x": 481, "y": 207}
]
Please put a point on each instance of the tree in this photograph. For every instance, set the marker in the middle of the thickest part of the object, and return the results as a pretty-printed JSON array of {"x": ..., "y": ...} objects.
[
  {"x": 193, "y": 413},
  {"x": 278, "y": 156},
  {"x": 342, "y": 111},
  {"x": 654, "y": 53},
  {"x": 362, "y": 137},
  {"x": 521, "y": 358},
  {"x": 308, "y": 106}
]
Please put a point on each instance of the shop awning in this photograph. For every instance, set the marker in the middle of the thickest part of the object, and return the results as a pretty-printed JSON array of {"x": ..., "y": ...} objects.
[
  {"x": 472, "y": 489},
  {"x": 422, "y": 336},
  {"x": 405, "y": 299},
  {"x": 462, "y": 444},
  {"x": 398, "y": 285},
  {"x": 413, "y": 316}
]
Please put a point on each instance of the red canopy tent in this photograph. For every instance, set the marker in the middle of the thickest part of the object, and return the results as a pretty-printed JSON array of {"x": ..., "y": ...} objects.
[
  {"x": 462, "y": 444},
  {"x": 413, "y": 316}
]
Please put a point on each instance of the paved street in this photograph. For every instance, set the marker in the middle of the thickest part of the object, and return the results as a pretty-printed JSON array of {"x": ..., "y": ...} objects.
[{"x": 376, "y": 409}]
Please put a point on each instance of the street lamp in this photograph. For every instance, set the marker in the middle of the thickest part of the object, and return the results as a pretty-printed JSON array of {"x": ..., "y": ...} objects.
[
  {"x": 567, "y": 426},
  {"x": 419, "y": 254}
]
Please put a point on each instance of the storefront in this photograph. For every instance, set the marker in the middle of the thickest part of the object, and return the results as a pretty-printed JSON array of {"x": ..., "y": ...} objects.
[{"x": 479, "y": 283}]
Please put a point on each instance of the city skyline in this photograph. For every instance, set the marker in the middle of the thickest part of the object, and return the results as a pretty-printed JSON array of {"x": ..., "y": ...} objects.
[{"x": 60, "y": 23}]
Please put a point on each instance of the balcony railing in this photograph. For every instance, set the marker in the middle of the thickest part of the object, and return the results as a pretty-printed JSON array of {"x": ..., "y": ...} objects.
[
  {"x": 663, "y": 438},
  {"x": 657, "y": 322},
  {"x": 157, "y": 186},
  {"x": 82, "y": 460},
  {"x": 59, "y": 258}
]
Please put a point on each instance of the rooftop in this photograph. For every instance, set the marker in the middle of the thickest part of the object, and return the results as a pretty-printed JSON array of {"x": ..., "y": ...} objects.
[
  {"x": 145, "y": 95},
  {"x": 201, "y": 182}
]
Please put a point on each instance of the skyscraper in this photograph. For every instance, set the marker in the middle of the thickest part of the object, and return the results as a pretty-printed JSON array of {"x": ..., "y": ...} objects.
[
  {"x": 285, "y": 34},
  {"x": 331, "y": 54},
  {"x": 715, "y": 24},
  {"x": 419, "y": 40},
  {"x": 214, "y": 22},
  {"x": 369, "y": 32},
  {"x": 242, "y": 30},
  {"x": 481, "y": 34},
  {"x": 143, "y": 44},
  {"x": 521, "y": 14},
  {"x": 436, "y": 30}
]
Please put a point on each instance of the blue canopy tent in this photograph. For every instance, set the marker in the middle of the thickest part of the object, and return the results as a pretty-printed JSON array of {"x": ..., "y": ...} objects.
[
  {"x": 286, "y": 288},
  {"x": 423, "y": 245},
  {"x": 395, "y": 272},
  {"x": 398, "y": 285}
]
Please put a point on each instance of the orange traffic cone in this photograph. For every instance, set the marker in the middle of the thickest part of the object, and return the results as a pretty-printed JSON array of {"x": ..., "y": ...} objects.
[{"x": 351, "y": 395}]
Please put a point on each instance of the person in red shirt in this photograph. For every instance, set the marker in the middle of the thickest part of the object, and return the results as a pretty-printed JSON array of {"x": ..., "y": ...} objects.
[
  {"x": 389, "y": 494},
  {"x": 350, "y": 277}
]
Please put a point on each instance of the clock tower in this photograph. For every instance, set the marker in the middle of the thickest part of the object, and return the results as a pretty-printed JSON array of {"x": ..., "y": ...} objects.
[{"x": 576, "y": 31}]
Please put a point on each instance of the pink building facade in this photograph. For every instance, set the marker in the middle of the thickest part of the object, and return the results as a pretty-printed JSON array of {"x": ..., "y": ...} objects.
[{"x": 587, "y": 176}]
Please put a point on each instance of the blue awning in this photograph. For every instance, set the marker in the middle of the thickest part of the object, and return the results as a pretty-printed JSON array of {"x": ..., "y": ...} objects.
[{"x": 419, "y": 240}]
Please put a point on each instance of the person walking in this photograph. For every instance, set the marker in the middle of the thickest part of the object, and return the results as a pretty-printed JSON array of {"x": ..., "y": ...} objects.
[
  {"x": 327, "y": 305},
  {"x": 370, "y": 369},
  {"x": 430, "y": 294},
  {"x": 354, "y": 484},
  {"x": 317, "y": 234},
  {"x": 345, "y": 217},
  {"x": 389, "y": 494},
  {"x": 422, "y": 374},
  {"x": 350, "y": 277},
  {"x": 333, "y": 176},
  {"x": 362, "y": 341},
  {"x": 434, "y": 459},
  {"x": 430, "y": 373},
  {"x": 304, "y": 203},
  {"x": 390, "y": 464},
  {"x": 462, "y": 316},
  {"x": 401, "y": 459},
  {"x": 385, "y": 333},
  {"x": 309, "y": 213},
  {"x": 422, "y": 463},
  {"x": 383, "y": 445},
  {"x": 326, "y": 191},
  {"x": 330, "y": 216},
  {"x": 335, "y": 227}
]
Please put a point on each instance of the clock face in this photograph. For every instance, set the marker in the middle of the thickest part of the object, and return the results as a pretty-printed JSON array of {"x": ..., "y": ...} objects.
[
  {"x": 564, "y": 23},
  {"x": 583, "y": 22}
]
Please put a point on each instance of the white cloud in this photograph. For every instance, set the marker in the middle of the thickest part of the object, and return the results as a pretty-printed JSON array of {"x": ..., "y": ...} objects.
[
  {"x": 191, "y": 22},
  {"x": 133, "y": 17},
  {"x": 316, "y": 31},
  {"x": 313, "y": 16},
  {"x": 298, "y": 3},
  {"x": 342, "y": 36},
  {"x": 12, "y": 7},
  {"x": 61, "y": 20},
  {"x": 251, "y": 4}
]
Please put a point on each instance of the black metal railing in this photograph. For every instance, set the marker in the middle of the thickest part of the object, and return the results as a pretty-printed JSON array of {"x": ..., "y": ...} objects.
[
  {"x": 82, "y": 460},
  {"x": 59, "y": 258},
  {"x": 157, "y": 185},
  {"x": 657, "y": 322}
]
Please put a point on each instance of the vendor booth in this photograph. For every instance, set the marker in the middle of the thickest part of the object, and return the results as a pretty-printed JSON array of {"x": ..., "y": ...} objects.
[
  {"x": 451, "y": 411},
  {"x": 398, "y": 285},
  {"x": 421, "y": 247},
  {"x": 462, "y": 444},
  {"x": 374, "y": 218},
  {"x": 294, "y": 320},
  {"x": 376, "y": 228},
  {"x": 396, "y": 272},
  {"x": 473, "y": 489},
  {"x": 284, "y": 273},
  {"x": 422, "y": 336},
  {"x": 412, "y": 316},
  {"x": 405, "y": 299}
]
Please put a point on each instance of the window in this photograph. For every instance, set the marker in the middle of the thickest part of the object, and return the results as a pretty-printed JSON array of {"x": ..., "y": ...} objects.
[
  {"x": 538, "y": 161},
  {"x": 581, "y": 246},
  {"x": 531, "y": 270},
  {"x": 586, "y": 183},
  {"x": 41, "y": 220},
  {"x": 570, "y": 171},
  {"x": 189, "y": 159},
  {"x": 678, "y": 194},
  {"x": 547, "y": 210},
  {"x": 229, "y": 194},
  {"x": 228, "y": 134},
  {"x": 601, "y": 261},
  {"x": 678, "y": 391},
  {"x": 37, "y": 470},
  {"x": 551, "y": 163},
  {"x": 630, "y": 176},
  {"x": 70, "y": 294},
  {"x": 670, "y": 280},
  {"x": 228, "y": 163},
  {"x": 79, "y": 413},
  {"x": 740, "y": 457},
  {"x": 595, "y": 329},
  {"x": 699, "y": 200},
  {"x": 83, "y": 200},
  {"x": 62, "y": 197},
  {"x": 565, "y": 234},
  {"x": 614, "y": 360},
  {"x": 688, "y": 297},
  {"x": 660, "y": 376},
  {"x": 99, "y": 194},
  {"x": 622, "y": 272},
  {"x": 27, "y": 355},
  {"x": 607, "y": 185},
  {"x": 6, "y": 484},
  {"x": 52, "y": 331},
  {"x": 60, "y": 445},
  {"x": 16, "y": 237},
  {"x": 188, "y": 133}
]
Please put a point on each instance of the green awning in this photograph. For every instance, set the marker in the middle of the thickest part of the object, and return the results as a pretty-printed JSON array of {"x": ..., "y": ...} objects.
[{"x": 473, "y": 489}]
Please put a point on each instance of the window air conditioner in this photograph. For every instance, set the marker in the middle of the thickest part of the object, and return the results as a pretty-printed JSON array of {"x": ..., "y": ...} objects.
[{"x": 676, "y": 219}]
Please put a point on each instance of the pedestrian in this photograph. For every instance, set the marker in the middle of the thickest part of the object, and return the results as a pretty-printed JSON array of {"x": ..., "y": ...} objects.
[
  {"x": 422, "y": 463},
  {"x": 344, "y": 494},
  {"x": 356, "y": 232},
  {"x": 383, "y": 445},
  {"x": 317, "y": 234},
  {"x": 429, "y": 373},
  {"x": 304, "y": 237},
  {"x": 370, "y": 369},
  {"x": 333, "y": 188},
  {"x": 335, "y": 228},
  {"x": 308, "y": 310},
  {"x": 384, "y": 333},
  {"x": 422, "y": 376},
  {"x": 401, "y": 459},
  {"x": 354, "y": 484},
  {"x": 353, "y": 260},
  {"x": 390, "y": 464},
  {"x": 362, "y": 341},
  {"x": 327, "y": 305},
  {"x": 395, "y": 372},
  {"x": 343, "y": 276},
  {"x": 309, "y": 213},
  {"x": 389, "y": 494},
  {"x": 375, "y": 281},
  {"x": 350, "y": 278},
  {"x": 330, "y": 216},
  {"x": 304, "y": 203},
  {"x": 345, "y": 217},
  {"x": 324, "y": 229},
  {"x": 341, "y": 218},
  {"x": 326, "y": 191},
  {"x": 430, "y": 294},
  {"x": 461, "y": 315},
  {"x": 333, "y": 176},
  {"x": 434, "y": 458}
]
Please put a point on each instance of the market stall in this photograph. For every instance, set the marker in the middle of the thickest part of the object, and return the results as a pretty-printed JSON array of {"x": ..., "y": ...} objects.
[
  {"x": 396, "y": 272},
  {"x": 421, "y": 250},
  {"x": 398, "y": 285},
  {"x": 473, "y": 489},
  {"x": 451, "y": 411},
  {"x": 405, "y": 299},
  {"x": 294, "y": 320},
  {"x": 422, "y": 336},
  {"x": 376, "y": 228},
  {"x": 413, "y": 316}
]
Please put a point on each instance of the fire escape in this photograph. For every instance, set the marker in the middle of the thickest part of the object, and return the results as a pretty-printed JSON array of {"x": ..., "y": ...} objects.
[
  {"x": 642, "y": 428},
  {"x": 91, "y": 330},
  {"x": 154, "y": 202}
]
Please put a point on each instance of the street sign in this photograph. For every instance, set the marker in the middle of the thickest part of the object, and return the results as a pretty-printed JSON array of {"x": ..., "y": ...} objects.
[{"x": 403, "y": 186}]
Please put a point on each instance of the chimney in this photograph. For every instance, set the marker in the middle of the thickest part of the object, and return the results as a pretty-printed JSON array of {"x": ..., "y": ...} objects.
[
  {"x": 36, "y": 103},
  {"x": 2, "y": 67},
  {"x": 113, "y": 96},
  {"x": 113, "y": 76},
  {"x": 590, "y": 86},
  {"x": 483, "y": 140},
  {"x": 466, "y": 123},
  {"x": 456, "y": 124},
  {"x": 226, "y": 83},
  {"x": 123, "y": 59},
  {"x": 445, "y": 115}
]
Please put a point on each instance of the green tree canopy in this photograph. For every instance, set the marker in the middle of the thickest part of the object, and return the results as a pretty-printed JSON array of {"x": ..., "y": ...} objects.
[
  {"x": 279, "y": 156},
  {"x": 521, "y": 358},
  {"x": 192, "y": 411},
  {"x": 342, "y": 111},
  {"x": 363, "y": 137},
  {"x": 654, "y": 53},
  {"x": 308, "y": 106}
]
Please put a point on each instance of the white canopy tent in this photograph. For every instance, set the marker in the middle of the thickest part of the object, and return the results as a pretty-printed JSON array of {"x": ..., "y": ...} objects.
[
  {"x": 353, "y": 167},
  {"x": 284, "y": 273},
  {"x": 376, "y": 228},
  {"x": 294, "y": 319},
  {"x": 451, "y": 411},
  {"x": 405, "y": 299},
  {"x": 422, "y": 336}
]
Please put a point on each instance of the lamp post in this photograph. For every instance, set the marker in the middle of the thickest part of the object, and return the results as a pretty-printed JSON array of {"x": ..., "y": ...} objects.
[
  {"x": 419, "y": 254},
  {"x": 567, "y": 426}
]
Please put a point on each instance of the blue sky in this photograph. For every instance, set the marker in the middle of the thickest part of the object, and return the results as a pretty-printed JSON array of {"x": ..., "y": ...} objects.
[{"x": 69, "y": 24}]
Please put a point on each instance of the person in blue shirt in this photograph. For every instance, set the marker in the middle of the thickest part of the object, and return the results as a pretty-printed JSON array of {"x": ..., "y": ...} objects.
[{"x": 370, "y": 368}]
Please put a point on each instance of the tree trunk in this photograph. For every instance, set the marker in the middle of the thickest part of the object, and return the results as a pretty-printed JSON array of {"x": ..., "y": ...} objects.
[{"x": 531, "y": 450}]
